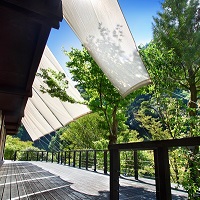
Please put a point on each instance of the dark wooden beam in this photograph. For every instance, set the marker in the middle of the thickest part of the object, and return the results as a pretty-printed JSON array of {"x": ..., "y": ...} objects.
[
  {"x": 15, "y": 91},
  {"x": 27, "y": 24},
  {"x": 150, "y": 145},
  {"x": 19, "y": 113},
  {"x": 48, "y": 12}
]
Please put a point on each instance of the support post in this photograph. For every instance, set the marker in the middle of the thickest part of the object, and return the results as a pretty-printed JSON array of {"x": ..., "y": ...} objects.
[
  {"x": 61, "y": 158},
  {"x": 27, "y": 156},
  {"x": 74, "y": 159},
  {"x": 37, "y": 155},
  {"x": 65, "y": 158},
  {"x": 47, "y": 155},
  {"x": 79, "y": 160},
  {"x": 114, "y": 174},
  {"x": 42, "y": 155},
  {"x": 162, "y": 174},
  {"x": 95, "y": 161},
  {"x": 105, "y": 163},
  {"x": 52, "y": 157},
  {"x": 58, "y": 161},
  {"x": 86, "y": 160},
  {"x": 69, "y": 157},
  {"x": 135, "y": 154},
  {"x": 15, "y": 156}
]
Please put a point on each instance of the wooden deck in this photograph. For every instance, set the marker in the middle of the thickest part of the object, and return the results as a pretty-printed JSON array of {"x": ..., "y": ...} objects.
[{"x": 46, "y": 181}]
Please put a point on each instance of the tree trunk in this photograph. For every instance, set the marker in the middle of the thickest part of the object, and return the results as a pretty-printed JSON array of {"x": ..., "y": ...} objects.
[
  {"x": 114, "y": 128},
  {"x": 193, "y": 101},
  {"x": 195, "y": 150}
]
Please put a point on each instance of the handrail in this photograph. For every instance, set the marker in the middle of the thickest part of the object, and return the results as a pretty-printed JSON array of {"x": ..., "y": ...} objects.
[
  {"x": 86, "y": 158},
  {"x": 161, "y": 162},
  {"x": 89, "y": 158},
  {"x": 151, "y": 145}
]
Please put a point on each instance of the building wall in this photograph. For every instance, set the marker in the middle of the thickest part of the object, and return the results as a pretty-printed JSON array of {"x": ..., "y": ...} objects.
[{"x": 2, "y": 135}]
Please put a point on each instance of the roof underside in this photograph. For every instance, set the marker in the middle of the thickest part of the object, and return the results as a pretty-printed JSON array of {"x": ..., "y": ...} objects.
[{"x": 25, "y": 27}]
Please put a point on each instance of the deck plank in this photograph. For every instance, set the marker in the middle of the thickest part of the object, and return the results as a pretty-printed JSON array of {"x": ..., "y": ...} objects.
[
  {"x": 47, "y": 181},
  {"x": 3, "y": 191},
  {"x": 20, "y": 185}
]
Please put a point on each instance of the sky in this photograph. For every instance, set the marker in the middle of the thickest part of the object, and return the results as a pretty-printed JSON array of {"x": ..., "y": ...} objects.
[{"x": 138, "y": 14}]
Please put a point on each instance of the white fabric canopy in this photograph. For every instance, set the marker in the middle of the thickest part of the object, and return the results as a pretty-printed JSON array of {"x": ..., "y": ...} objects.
[
  {"x": 102, "y": 29},
  {"x": 44, "y": 114}
]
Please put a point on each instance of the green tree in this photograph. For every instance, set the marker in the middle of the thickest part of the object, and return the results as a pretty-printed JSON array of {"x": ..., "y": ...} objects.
[
  {"x": 101, "y": 95},
  {"x": 173, "y": 61},
  {"x": 177, "y": 30},
  {"x": 55, "y": 84},
  {"x": 15, "y": 144},
  {"x": 87, "y": 132}
]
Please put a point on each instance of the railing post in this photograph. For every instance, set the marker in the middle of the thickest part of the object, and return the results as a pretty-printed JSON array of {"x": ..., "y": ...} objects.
[
  {"x": 27, "y": 156},
  {"x": 61, "y": 158},
  {"x": 58, "y": 160},
  {"x": 69, "y": 157},
  {"x": 114, "y": 174},
  {"x": 37, "y": 155},
  {"x": 86, "y": 160},
  {"x": 135, "y": 164},
  {"x": 74, "y": 159},
  {"x": 79, "y": 160},
  {"x": 65, "y": 158},
  {"x": 15, "y": 156},
  {"x": 42, "y": 155},
  {"x": 95, "y": 161},
  {"x": 47, "y": 156},
  {"x": 105, "y": 162},
  {"x": 162, "y": 173},
  {"x": 52, "y": 156}
]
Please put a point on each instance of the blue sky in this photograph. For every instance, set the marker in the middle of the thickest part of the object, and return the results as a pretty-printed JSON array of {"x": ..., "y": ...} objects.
[{"x": 138, "y": 14}]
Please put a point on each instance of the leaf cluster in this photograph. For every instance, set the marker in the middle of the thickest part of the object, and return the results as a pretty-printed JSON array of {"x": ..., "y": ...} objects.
[
  {"x": 177, "y": 30},
  {"x": 55, "y": 84},
  {"x": 85, "y": 132}
]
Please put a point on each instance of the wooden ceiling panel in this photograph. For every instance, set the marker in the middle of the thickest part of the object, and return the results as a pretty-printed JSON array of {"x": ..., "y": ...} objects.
[{"x": 25, "y": 27}]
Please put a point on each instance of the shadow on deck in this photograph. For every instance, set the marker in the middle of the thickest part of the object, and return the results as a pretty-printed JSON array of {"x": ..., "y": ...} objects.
[{"x": 41, "y": 180}]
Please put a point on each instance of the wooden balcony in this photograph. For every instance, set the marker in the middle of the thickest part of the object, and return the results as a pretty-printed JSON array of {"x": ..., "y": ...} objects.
[
  {"x": 80, "y": 168},
  {"x": 46, "y": 180}
]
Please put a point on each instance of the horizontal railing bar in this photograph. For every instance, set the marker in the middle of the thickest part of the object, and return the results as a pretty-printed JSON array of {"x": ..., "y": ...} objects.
[{"x": 151, "y": 145}]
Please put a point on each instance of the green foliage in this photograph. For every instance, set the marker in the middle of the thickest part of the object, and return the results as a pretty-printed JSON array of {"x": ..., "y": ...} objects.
[
  {"x": 15, "y": 144},
  {"x": 56, "y": 84},
  {"x": 32, "y": 154},
  {"x": 145, "y": 163},
  {"x": 161, "y": 67},
  {"x": 172, "y": 122},
  {"x": 86, "y": 132},
  {"x": 173, "y": 62},
  {"x": 101, "y": 144},
  {"x": 172, "y": 119},
  {"x": 191, "y": 177},
  {"x": 128, "y": 136},
  {"x": 177, "y": 29},
  {"x": 100, "y": 94},
  {"x": 56, "y": 144}
]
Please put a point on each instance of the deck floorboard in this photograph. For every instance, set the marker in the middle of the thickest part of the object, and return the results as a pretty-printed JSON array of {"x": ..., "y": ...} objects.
[{"x": 51, "y": 181}]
